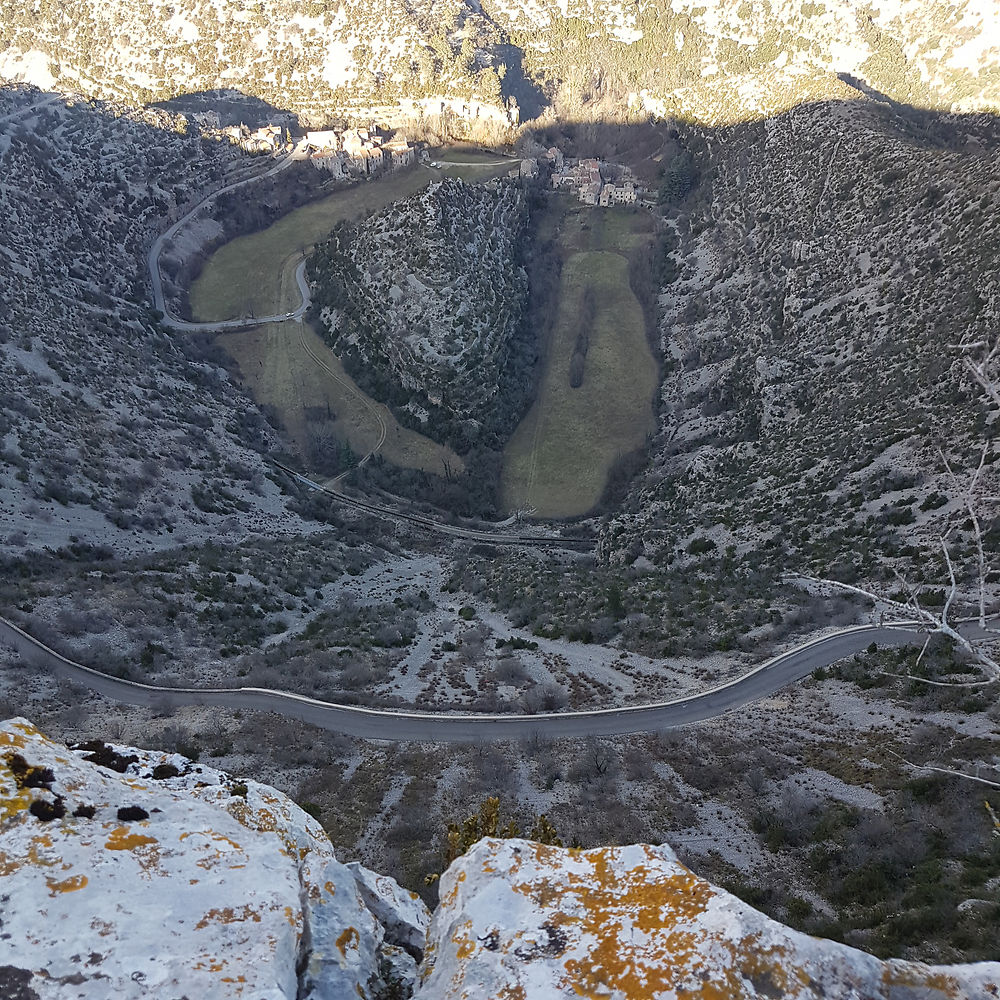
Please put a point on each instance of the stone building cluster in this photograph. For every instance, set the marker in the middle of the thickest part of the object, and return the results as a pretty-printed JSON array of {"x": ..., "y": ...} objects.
[
  {"x": 591, "y": 179},
  {"x": 360, "y": 152},
  {"x": 269, "y": 139}
]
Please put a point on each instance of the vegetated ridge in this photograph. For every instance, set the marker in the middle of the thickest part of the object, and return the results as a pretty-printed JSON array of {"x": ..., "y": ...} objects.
[
  {"x": 715, "y": 61},
  {"x": 424, "y": 301},
  {"x": 112, "y": 432}
]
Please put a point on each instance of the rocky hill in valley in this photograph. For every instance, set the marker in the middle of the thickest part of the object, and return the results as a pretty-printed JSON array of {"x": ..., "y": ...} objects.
[
  {"x": 425, "y": 299},
  {"x": 135, "y": 873}
]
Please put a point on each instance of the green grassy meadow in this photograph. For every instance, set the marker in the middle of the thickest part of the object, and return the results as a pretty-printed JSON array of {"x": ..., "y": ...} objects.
[
  {"x": 559, "y": 457},
  {"x": 278, "y": 361},
  {"x": 249, "y": 272}
]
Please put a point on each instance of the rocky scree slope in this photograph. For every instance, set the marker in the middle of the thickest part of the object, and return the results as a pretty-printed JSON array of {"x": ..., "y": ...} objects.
[
  {"x": 132, "y": 873},
  {"x": 112, "y": 432},
  {"x": 425, "y": 298},
  {"x": 135, "y": 873},
  {"x": 815, "y": 292},
  {"x": 715, "y": 61}
]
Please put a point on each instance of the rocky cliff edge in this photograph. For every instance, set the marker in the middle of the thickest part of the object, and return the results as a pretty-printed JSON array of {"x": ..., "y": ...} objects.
[{"x": 131, "y": 873}]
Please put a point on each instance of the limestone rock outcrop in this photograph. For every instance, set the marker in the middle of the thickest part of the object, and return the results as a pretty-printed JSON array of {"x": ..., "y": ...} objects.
[
  {"x": 131, "y": 873},
  {"x": 522, "y": 921}
]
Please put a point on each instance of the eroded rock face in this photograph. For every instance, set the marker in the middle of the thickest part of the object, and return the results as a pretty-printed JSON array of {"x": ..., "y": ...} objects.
[
  {"x": 521, "y": 921},
  {"x": 131, "y": 873}
]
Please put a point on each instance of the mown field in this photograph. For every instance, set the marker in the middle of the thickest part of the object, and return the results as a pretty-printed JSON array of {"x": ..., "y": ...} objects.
[
  {"x": 559, "y": 458},
  {"x": 311, "y": 399},
  {"x": 287, "y": 366},
  {"x": 247, "y": 273}
]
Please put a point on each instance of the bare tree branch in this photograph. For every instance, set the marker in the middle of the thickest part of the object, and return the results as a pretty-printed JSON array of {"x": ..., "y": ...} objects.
[{"x": 945, "y": 770}]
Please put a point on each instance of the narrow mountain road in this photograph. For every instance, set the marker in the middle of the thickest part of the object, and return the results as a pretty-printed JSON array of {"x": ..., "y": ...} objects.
[
  {"x": 27, "y": 109},
  {"x": 438, "y": 527},
  {"x": 387, "y": 724},
  {"x": 153, "y": 261}
]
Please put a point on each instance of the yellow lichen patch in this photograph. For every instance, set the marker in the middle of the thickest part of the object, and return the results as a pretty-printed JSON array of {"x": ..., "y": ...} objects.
[
  {"x": 449, "y": 900},
  {"x": 291, "y": 917},
  {"x": 13, "y": 798},
  {"x": 234, "y": 979},
  {"x": 332, "y": 889},
  {"x": 228, "y": 915},
  {"x": 71, "y": 884},
  {"x": 610, "y": 906},
  {"x": 514, "y": 992},
  {"x": 34, "y": 857},
  {"x": 349, "y": 938},
  {"x": 212, "y": 835},
  {"x": 211, "y": 965},
  {"x": 896, "y": 976},
  {"x": 122, "y": 839},
  {"x": 769, "y": 968},
  {"x": 15, "y": 735}
]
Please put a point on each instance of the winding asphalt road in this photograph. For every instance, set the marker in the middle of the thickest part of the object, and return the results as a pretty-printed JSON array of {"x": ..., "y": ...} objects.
[
  {"x": 424, "y": 727},
  {"x": 153, "y": 262}
]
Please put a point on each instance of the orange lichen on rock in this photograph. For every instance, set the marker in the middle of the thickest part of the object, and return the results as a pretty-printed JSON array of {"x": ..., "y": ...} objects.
[
  {"x": 71, "y": 884},
  {"x": 514, "y": 992},
  {"x": 466, "y": 943},
  {"x": 122, "y": 839},
  {"x": 212, "y": 835},
  {"x": 610, "y": 904},
  {"x": 211, "y": 965},
  {"x": 896, "y": 978},
  {"x": 14, "y": 798},
  {"x": 449, "y": 900},
  {"x": 17, "y": 733},
  {"x": 349, "y": 938},
  {"x": 229, "y": 915}
]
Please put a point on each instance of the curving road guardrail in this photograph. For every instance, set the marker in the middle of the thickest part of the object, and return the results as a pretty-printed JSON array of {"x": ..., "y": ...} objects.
[{"x": 427, "y": 727}]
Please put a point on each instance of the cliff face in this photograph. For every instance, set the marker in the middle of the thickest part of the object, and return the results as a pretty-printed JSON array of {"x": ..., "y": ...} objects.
[{"x": 131, "y": 873}]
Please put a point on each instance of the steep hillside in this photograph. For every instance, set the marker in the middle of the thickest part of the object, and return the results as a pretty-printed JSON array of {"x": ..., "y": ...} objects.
[
  {"x": 833, "y": 258},
  {"x": 425, "y": 300},
  {"x": 311, "y": 56},
  {"x": 727, "y": 59},
  {"x": 716, "y": 61},
  {"x": 111, "y": 432}
]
